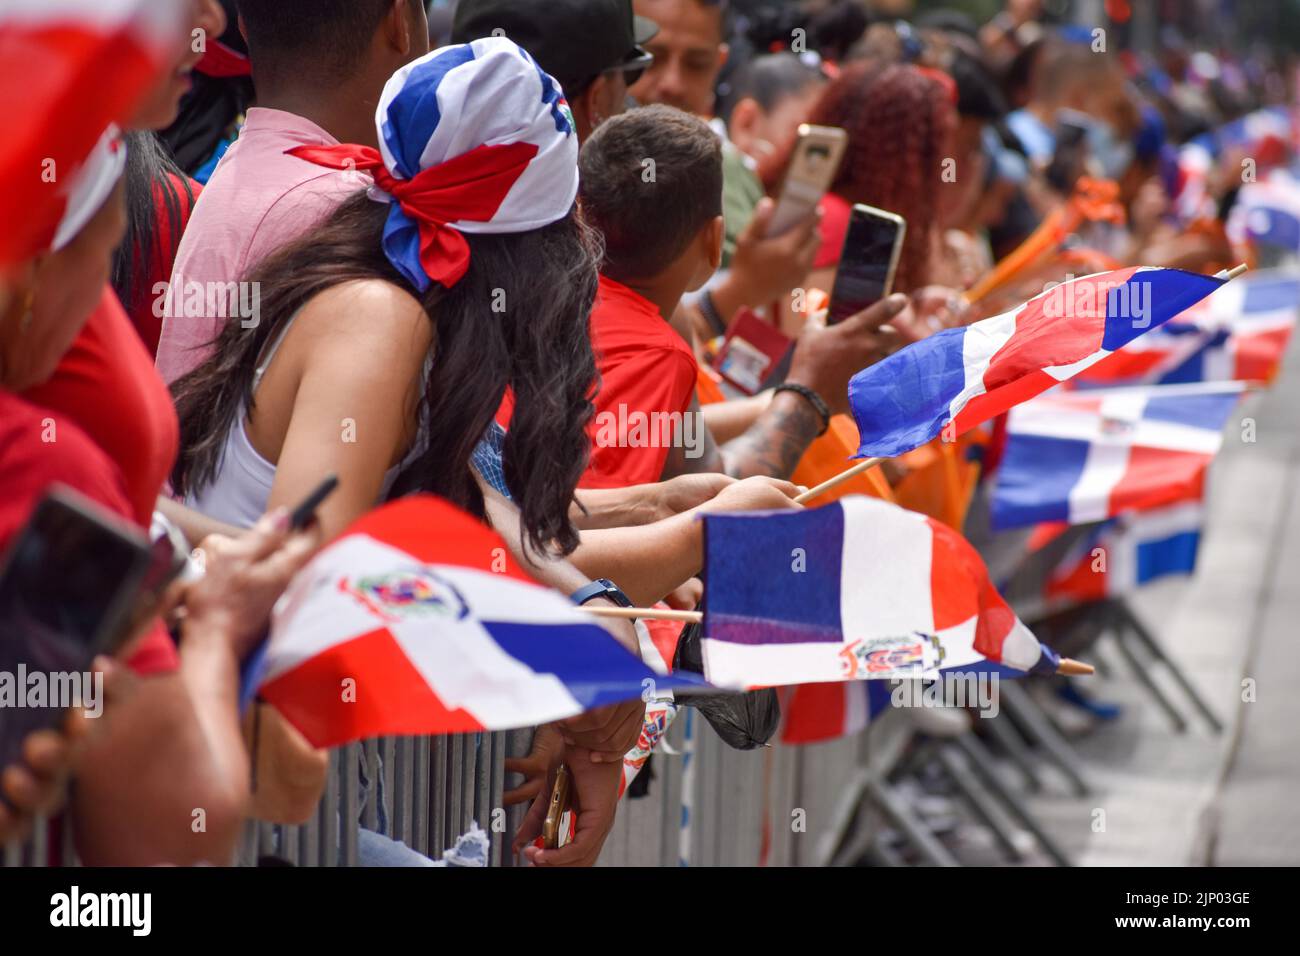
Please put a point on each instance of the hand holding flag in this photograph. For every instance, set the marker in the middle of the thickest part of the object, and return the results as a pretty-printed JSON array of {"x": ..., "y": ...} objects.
[
  {"x": 859, "y": 589},
  {"x": 417, "y": 621},
  {"x": 959, "y": 378}
]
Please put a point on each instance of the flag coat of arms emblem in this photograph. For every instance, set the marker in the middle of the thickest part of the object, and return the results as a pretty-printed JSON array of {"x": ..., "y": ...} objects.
[
  {"x": 417, "y": 621},
  {"x": 958, "y": 378}
]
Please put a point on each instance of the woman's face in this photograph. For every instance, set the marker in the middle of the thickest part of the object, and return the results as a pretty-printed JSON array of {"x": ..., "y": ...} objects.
[
  {"x": 160, "y": 108},
  {"x": 780, "y": 127},
  {"x": 67, "y": 285}
]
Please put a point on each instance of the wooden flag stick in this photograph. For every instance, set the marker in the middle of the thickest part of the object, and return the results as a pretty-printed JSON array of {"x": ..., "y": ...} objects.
[
  {"x": 1073, "y": 668},
  {"x": 1231, "y": 273},
  {"x": 1068, "y": 667},
  {"x": 842, "y": 477}
]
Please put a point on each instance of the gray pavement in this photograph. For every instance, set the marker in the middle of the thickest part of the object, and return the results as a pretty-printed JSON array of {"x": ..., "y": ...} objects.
[{"x": 1171, "y": 798}]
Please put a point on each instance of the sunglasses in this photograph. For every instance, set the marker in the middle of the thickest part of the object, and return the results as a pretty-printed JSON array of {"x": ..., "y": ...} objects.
[{"x": 634, "y": 68}]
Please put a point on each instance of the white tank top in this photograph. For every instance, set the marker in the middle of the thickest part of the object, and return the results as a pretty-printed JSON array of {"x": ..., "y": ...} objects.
[{"x": 242, "y": 486}]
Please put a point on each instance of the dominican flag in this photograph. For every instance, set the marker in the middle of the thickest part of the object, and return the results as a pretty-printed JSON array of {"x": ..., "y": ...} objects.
[
  {"x": 959, "y": 378},
  {"x": 1267, "y": 135},
  {"x": 857, "y": 590},
  {"x": 417, "y": 621},
  {"x": 1267, "y": 213},
  {"x": 69, "y": 68},
  {"x": 1122, "y": 554},
  {"x": 1080, "y": 457},
  {"x": 1240, "y": 332},
  {"x": 817, "y": 712}
]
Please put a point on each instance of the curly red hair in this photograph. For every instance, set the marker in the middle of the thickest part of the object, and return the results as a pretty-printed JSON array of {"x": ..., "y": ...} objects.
[{"x": 900, "y": 119}]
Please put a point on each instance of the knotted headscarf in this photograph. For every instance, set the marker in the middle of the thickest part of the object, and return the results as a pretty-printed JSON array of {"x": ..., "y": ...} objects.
[{"x": 473, "y": 138}]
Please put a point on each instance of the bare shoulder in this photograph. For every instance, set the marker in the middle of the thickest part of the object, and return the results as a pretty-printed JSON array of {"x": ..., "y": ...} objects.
[{"x": 368, "y": 311}]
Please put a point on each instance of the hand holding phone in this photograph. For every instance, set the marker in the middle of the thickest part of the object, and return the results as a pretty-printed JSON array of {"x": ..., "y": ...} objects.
[
  {"x": 246, "y": 575},
  {"x": 67, "y": 588},
  {"x": 305, "y": 513},
  {"x": 813, "y": 165},
  {"x": 868, "y": 261},
  {"x": 555, "y": 833}
]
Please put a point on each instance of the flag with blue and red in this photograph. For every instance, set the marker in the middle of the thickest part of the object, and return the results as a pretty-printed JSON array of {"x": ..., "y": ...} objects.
[
  {"x": 857, "y": 590},
  {"x": 958, "y": 378},
  {"x": 1081, "y": 457}
]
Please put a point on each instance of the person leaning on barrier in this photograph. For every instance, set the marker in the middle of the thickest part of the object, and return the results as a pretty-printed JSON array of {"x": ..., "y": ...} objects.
[
  {"x": 684, "y": 201},
  {"x": 168, "y": 744}
]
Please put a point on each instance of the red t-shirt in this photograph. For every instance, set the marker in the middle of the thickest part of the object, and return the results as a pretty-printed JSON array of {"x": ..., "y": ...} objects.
[
  {"x": 108, "y": 387},
  {"x": 36, "y": 451},
  {"x": 155, "y": 264},
  {"x": 834, "y": 228},
  {"x": 647, "y": 374}
]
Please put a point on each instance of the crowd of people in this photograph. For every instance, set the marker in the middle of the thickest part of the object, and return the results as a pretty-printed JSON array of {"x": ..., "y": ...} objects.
[{"x": 439, "y": 252}]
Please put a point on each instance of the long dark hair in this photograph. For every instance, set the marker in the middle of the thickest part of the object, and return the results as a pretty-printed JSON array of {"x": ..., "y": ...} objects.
[
  {"x": 153, "y": 196},
  {"x": 518, "y": 318}
]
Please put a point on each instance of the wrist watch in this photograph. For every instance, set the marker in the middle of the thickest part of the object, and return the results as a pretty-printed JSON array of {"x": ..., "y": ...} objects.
[{"x": 600, "y": 588}]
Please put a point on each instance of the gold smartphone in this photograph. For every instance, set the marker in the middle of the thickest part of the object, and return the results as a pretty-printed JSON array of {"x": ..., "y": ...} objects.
[
  {"x": 552, "y": 828},
  {"x": 813, "y": 165}
]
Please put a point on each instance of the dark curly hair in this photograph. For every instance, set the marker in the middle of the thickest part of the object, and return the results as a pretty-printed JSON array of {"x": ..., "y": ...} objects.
[
  {"x": 900, "y": 120},
  {"x": 539, "y": 347}
]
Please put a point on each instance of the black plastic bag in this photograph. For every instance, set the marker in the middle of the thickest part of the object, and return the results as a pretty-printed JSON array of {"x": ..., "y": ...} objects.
[{"x": 743, "y": 720}]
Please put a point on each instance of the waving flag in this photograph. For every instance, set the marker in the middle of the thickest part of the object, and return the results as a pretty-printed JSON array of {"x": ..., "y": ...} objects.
[
  {"x": 967, "y": 376},
  {"x": 857, "y": 590},
  {"x": 1081, "y": 457},
  {"x": 69, "y": 68},
  {"x": 1126, "y": 552},
  {"x": 816, "y": 712},
  {"x": 1267, "y": 213},
  {"x": 1240, "y": 332},
  {"x": 416, "y": 621}
]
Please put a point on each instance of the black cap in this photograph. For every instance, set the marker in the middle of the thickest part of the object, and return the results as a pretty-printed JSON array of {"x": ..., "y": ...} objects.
[{"x": 573, "y": 40}]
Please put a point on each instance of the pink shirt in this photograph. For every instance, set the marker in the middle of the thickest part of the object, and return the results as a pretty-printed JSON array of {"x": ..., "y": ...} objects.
[{"x": 257, "y": 200}]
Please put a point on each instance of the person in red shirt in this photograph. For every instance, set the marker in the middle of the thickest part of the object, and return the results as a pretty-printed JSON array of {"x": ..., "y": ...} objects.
[
  {"x": 647, "y": 376},
  {"x": 651, "y": 182},
  {"x": 106, "y": 382}
]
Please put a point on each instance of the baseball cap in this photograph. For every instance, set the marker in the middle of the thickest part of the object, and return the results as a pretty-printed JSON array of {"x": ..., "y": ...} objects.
[{"x": 573, "y": 40}]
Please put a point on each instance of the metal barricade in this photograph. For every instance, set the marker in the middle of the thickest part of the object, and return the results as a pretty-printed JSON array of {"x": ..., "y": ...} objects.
[{"x": 724, "y": 812}]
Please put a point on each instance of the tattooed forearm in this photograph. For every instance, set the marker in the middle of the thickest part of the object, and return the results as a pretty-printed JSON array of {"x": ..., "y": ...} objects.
[{"x": 774, "y": 444}]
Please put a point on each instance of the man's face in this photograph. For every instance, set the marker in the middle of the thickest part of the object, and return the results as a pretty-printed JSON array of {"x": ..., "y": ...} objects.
[{"x": 688, "y": 52}]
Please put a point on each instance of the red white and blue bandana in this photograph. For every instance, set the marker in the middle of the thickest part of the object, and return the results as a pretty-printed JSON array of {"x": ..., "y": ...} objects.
[{"x": 473, "y": 138}]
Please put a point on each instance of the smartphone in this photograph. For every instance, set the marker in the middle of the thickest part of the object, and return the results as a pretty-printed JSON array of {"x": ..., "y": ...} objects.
[
  {"x": 554, "y": 830},
  {"x": 67, "y": 589},
  {"x": 813, "y": 165},
  {"x": 168, "y": 550},
  {"x": 868, "y": 261},
  {"x": 305, "y": 513},
  {"x": 253, "y": 666}
]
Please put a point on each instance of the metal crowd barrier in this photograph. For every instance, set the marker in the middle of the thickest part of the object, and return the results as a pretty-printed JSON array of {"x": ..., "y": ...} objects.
[{"x": 436, "y": 788}]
